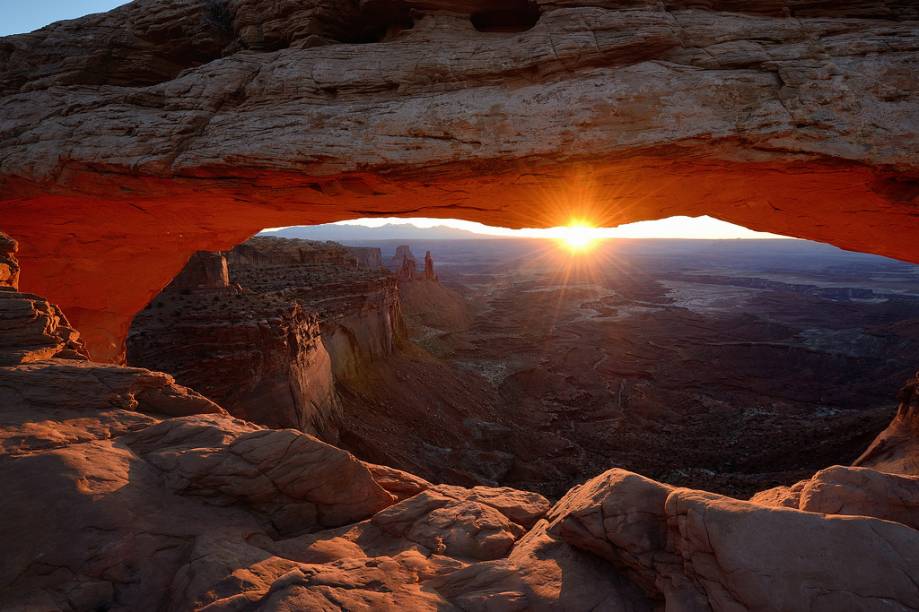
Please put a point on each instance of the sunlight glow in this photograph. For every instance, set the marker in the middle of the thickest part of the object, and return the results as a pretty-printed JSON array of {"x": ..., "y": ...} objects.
[
  {"x": 672, "y": 227},
  {"x": 578, "y": 236}
]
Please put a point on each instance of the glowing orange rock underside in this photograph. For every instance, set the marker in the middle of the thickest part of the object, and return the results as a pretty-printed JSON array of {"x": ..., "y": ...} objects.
[{"x": 104, "y": 253}]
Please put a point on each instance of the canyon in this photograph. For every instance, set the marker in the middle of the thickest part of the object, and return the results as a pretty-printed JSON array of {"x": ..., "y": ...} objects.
[
  {"x": 126, "y": 490},
  {"x": 727, "y": 367},
  {"x": 496, "y": 432}
]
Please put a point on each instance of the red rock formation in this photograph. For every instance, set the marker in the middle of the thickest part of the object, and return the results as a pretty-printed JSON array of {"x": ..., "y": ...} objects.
[
  {"x": 34, "y": 329},
  {"x": 9, "y": 265},
  {"x": 359, "y": 309},
  {"x": 262, "y": 359},
  {"x": 402, "y": 255},
  {"x": 896, "y": 449},
  {"x": 142, "y": 135},
  {"x": 271, "y": 349},
  {"x": 367, "y": 257},
  {"x": 123, "y": 489},
  {"x": 429, "y": 274},
  {"x": 408, "y": 271},
  {"x": 203, "y": 271}
]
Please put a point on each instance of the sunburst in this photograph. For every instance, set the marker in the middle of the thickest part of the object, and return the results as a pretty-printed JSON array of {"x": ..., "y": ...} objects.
[{"x": 578, "y": 236}]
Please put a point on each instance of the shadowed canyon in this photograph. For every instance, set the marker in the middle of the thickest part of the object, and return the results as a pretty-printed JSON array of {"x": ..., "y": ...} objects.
[{"x": 195, "y": 417}]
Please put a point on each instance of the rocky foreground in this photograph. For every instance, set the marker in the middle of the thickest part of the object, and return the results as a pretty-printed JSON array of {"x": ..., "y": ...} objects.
[{"x": 126, "y": 491}]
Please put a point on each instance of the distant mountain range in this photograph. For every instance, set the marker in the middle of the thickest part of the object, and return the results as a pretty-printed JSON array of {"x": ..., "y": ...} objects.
[{"x": 359, "y": 233}]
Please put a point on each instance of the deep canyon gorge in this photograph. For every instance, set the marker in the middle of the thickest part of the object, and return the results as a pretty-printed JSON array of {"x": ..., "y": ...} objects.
[{"x": 193, "y": 418}]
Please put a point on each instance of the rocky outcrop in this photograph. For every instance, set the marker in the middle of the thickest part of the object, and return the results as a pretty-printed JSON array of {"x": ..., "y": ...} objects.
[
  {"x": 203, "y": 271},
  {"x": 408, "y": 271},
  {"x": 33, "y": 328},
  {"x": 9, "y": 265},
  {"x": 429, "y": 274},
  {"x": 123, "y": 490},
  {"x": 358, "y": 308},
  {"x": 269, "y": 346},
  {"x": 429, "y": 304},
  {"x": 896, "y": 449},
  {"x": 262, "y": 359},
  {"x": 193, "y": 119},
  {"x": 697, "y": 550},
  {"x": 851, "y": 491},
  {"x": 262, "y": 252},
  {"x": 402, "y": 255},
  {"x": 367, "y": 257}
]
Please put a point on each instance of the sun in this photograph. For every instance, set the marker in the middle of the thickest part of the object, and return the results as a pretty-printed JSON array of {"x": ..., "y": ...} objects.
[{"x": 578, "y": 236}]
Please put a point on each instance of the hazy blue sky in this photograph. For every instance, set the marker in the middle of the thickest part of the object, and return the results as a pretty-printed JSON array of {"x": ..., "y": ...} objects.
[{"x": 17, "y": 16}]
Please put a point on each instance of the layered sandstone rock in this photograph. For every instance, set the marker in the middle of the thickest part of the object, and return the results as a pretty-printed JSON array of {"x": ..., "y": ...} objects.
[
  {"x": 157, "y": 130},
  {"x": 697, "y": 550},
  {"x": 9, "y": 265},
  {"x": 367, "y": 257},
  {"x": 896, "y": 449},
  {"x": 428, "y": 304},
  {"x": 203, "y": 271},
  {"x": 269, "y": 347},
  {"x": 402, "y": 255},
  {"x": 262, "y": 359},
  {"x": 32, "y": 328},
  {"x": 429, "y": 274},
  {"x": 358, "y": 307},
  {"x": 124, "y": 490},
  {"x": 852, "y": 491}
]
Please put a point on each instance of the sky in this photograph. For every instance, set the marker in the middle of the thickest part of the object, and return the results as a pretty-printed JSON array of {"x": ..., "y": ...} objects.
[
  {"x": 673, "y": 227},
  {"x": 17, "y": 16}
]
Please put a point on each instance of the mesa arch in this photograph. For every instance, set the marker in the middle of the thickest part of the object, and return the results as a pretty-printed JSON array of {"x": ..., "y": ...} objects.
[{"x": 129, "y": 140}]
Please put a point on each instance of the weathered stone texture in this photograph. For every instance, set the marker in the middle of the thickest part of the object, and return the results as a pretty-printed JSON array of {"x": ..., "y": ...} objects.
[{"x": 215, "y": 119}]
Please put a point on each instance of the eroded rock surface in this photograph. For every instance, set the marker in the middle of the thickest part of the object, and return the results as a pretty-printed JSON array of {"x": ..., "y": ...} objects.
[
  {"x": 216, "y": 119},
  {"x": 851, "y": 491},
  {"x": 270, "y": 345},
  {"x": 896, "y": 449},
  {"x": 9, "y": 264},
  {"x": 126, "y": 491},
  {"x": 261, "y": 358},
  {"x": 698, "y": 550}
]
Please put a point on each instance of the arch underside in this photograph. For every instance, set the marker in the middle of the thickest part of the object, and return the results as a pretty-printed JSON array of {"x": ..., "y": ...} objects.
[{"x": 803, "y": 125}]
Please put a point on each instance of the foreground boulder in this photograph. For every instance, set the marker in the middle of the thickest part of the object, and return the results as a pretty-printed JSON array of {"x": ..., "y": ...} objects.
[
  {"x": 697, "y": 550},
  {"x": 852, "y": 491}
]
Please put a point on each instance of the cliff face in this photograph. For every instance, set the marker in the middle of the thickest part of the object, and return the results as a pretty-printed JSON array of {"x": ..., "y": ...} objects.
[
  {"x": 269, "y": 346},
  {"x": 157, "y": 130},
  {"x": 367, "y": 257},
  {"x": 896, "y": 449},
  {"x": 152, "y": 497},
  {"x": 263, "y": 359},
  {"x": 358, "y": 307}
]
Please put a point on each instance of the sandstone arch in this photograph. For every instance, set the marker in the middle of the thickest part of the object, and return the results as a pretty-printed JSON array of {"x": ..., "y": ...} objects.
[{"x": 131, "y": 139}]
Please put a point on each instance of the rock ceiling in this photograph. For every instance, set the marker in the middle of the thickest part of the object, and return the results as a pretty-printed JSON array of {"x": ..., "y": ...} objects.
[{"x": 130, "y": 139}]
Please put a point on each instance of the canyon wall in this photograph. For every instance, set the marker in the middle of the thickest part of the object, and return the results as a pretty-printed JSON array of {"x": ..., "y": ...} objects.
[
  {"x": 358, "y": 307},
  {"x": 269, "y": 346},
  {"x": 261, "y": 358},
  {"x": 367, "y": 257},
  {"x": 125, "y": 489},
  {"x": 133, "y": 138}
]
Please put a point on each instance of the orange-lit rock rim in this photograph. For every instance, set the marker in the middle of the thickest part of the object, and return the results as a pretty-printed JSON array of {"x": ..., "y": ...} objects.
[{"x": 794, "y": 119}]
